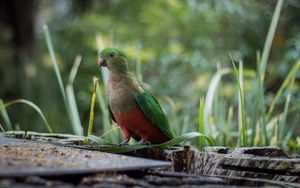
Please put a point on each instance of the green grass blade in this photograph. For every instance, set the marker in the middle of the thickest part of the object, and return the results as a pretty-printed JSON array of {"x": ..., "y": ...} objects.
[
  {"x": 261, "y": 104},
  {"x": 5, "y": 117},
  {"x": 90, "y": 127},
  {"x": 31, "y": 104},
  {"x": 58, "y": 75},
  {"x": 209, "y": 98},
  {"x": 282, "y": 123},
  {"x": 201, "y": 123},
  {"x": 242, "y": 105},
  {"x": 74, "y": 69},
  {"x": 270, "y": 36},
  {"x": 54, "y": 63},
  {"x": 76, "y": 124},
  {"x": 285, "y": 83},
  {"x": 241, "y": 73}
]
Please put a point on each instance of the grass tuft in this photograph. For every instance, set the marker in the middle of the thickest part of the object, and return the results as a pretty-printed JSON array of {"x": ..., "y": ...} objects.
[{"x": 32, "y": 105}]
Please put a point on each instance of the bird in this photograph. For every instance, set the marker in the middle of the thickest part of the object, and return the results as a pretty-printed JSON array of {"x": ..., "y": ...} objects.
[{"x": 132, "y": 105}]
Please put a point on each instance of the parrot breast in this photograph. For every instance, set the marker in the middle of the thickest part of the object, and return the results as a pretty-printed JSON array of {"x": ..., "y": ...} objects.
[{"x": 136, "y": 122}]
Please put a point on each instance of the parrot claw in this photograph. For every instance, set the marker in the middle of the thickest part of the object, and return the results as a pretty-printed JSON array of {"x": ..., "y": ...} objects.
[
  {"x": 144, "y": 142},
  {"x": 124, "y": 142}
]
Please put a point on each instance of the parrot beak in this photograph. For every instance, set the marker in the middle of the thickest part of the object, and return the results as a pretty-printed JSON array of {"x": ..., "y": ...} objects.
[{"x": 102, "y": 62}]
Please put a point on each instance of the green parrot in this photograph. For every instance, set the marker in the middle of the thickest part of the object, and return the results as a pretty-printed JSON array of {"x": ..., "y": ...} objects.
[{"x": 131, "y": 105}]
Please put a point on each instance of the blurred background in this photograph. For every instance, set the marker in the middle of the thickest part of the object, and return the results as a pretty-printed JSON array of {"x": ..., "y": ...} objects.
[{"x": 178, "y": 46}]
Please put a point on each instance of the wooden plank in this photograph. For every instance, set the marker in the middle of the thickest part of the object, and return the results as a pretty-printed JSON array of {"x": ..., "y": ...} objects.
[
  {"x": 23, "y": 157},
  {"x": 264, "y": 163}
]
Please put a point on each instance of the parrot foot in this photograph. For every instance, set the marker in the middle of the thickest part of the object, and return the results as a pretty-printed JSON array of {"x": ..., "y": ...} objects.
[
  {"x": 124, "y": 142},
  {"x": 144, "y": 142}
]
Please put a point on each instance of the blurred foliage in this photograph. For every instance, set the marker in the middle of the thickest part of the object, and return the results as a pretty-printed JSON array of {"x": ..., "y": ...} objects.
[{"x": 181, "y": 44}]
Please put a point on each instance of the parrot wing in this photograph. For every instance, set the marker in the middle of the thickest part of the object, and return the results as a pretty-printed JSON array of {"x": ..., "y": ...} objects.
[{"x": 151, "y": 108}]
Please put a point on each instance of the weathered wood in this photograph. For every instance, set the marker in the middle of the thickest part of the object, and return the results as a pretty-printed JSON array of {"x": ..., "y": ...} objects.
[
  {"x": 67, "y": 139},
  {"x": 217, "y": 166},
  {"x": 46, "y": 137},
  {"x": 145, "y": 179},
  {"x": 23, "y": 158},
  {"x": 265, "y": 163}
]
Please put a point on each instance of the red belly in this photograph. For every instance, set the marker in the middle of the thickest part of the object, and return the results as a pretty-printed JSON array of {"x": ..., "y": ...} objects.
[{"x": 136, "y": 122}]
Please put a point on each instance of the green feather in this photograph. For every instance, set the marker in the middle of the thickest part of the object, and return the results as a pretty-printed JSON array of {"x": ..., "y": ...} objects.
[{"x": 151, "y": 108}]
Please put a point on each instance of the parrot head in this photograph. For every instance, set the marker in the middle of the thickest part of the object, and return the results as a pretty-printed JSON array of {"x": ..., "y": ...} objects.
[{"x": 114, "y": 59}]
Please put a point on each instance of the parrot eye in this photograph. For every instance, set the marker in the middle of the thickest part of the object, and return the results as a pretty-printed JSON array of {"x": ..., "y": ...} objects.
[{"x": 112, "y": 54}]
